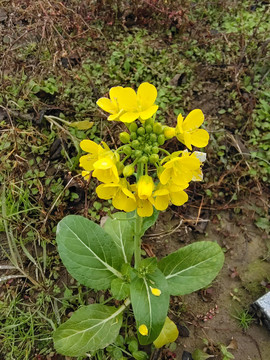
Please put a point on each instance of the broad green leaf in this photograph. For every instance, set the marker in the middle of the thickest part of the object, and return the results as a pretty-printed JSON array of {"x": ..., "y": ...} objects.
[
  {"x": 121, "y": 231},
  {"x": 120, "y": 289},
  {"x": 82, "y": 125},
  {"x": 192, "y": 267},
  {"x": 90, "y": 328},
  {"x": 88, "y": 252},
  {"x": 149, "y": 310},
  {"x": 169, "y": 334}
]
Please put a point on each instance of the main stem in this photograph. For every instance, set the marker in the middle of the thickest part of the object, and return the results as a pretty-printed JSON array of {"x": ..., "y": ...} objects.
[{"x": 138, "y": 225}]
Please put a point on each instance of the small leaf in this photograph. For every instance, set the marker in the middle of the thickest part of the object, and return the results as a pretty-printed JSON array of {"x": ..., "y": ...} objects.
[
  {"x": 140, "y": 355},
  {"x": 90, "y": 328},
  {"x": 168, "y": 334},
  {"x": 119, "y": 289},
  {"x": 148, "y": 265},
  {"x": 121, "y": 231},
  {"x": 82, "y": 125},
  {"x": 192, "y": 267},
  {"x": 200, "y": 355},
  {"x": 88, "y": 252},
  {"x": 149, "y": 221}
]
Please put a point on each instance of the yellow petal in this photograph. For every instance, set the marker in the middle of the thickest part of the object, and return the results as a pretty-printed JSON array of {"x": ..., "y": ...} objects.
[
  {"x": 106, "y": 176},
  {"x": 86, "y": 174},
  {"x": 162, "y": 202},
  {"x": 155, "y": 291},
  {"x": 129, "y": 117},
  {"x": 187, "y": 140},
  {"x": 103, "y": 164},
  {"x": 180, "y": 123},
  {"x": 87, "y": 162},
  {"x": 194, "y": 120},
  {"x": 122, "y": 202},
  {"x": 147, "y": 94},
  {"x": 199, "y": 138},
  {"x": 128, "y": 100},
  {"x": 115, "y": 94},
  {"x": 144, "y": 208},
  {"x": 179, "y": 198},
  {"x": 115, "y": 117},
  {"x": 146, "y": 114},
  {"x": 89, "y": 146},
  {"x": 106, "y": 105},
  {"x": 165, "y": 176},
  {"x": 106, "y": 191},
  {"x": 143, "y": 330},
  {"x": 145, "y": 187}
]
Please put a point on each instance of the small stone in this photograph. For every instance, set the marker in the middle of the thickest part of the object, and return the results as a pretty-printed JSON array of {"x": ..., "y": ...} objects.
[
  {"x": 183, "y": 331},
  {"x": 186, "y": 356}
]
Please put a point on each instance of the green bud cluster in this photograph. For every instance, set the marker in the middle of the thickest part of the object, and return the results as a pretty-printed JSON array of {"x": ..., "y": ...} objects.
[{"x": 142, "y": 143}]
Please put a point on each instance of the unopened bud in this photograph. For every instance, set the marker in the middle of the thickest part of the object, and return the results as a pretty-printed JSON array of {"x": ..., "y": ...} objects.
[
  {"x": 128, "y": 170},
  {"x": 124, "y": 137}
]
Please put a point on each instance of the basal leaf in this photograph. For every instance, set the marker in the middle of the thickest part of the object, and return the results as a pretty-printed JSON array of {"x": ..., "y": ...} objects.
[
  {"x": 90, "y": 328},
  {"x": 149, "y": 310},
  {"x": 88, "y": 252},
  {"x": 121, "y": 230},
  {"x": 192, "y": 267},
  {"x": 168, "y": 334}
]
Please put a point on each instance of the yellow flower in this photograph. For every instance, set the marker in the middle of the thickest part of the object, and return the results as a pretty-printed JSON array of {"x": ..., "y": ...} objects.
[
  {"x": 122, "y": 197},
  {"x": 105, "y": 169},
  {"x": 155, "y": 291},
  {"x": 140, "y": 105},
  {"x": 170, "y": 193},
  {"x": 145, "y": 187},
  {"x": 143, "y": 330},
  {"x": 112, "y": 105},
  {"x": 187, "y": 131},
  {"x": 180, "y": 170},
  {"x": 144, "y": 196},
  {"x": 94, "y": 150}
]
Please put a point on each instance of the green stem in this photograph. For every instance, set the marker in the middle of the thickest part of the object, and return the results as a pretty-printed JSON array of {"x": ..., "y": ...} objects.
[
  {"x": 138, "y": 225},
  {"x": 165, "y": 151}
]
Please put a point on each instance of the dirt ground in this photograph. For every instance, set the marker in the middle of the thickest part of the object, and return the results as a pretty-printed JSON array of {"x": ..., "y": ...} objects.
[{"x": 237, "y": 286}]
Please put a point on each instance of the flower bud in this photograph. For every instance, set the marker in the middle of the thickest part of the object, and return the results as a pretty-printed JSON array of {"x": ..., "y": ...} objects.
[
  {"x": 154, "y": 158},
  {"x": 169, "y": 132},
  {"x": 157, "y": 128},
  {"x": 133, "y": 135},
  {"x": 161, "y": 139},
  {"x": 128, "y": 170},
  {"x": 138, "y": 153},
  {"x": 127, "y": 149},
  {"x": 155, "y": 150},
  {"x": 133, "y": 127},
  {"x": 153, "y": 138},
  {"x": 149, "y": 129},
  {"x": 148, "y": 149},
  {"x": 143, "y": 159},
  {"x": 141, "y": 131},
  {"x": 124, "y": 137},
  {"x": 135, "y": 144}
]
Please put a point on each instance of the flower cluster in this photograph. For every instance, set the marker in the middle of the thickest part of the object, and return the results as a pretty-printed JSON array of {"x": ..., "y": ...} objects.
[{"x": 141, "y": 174}]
